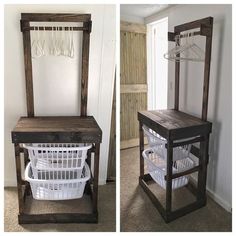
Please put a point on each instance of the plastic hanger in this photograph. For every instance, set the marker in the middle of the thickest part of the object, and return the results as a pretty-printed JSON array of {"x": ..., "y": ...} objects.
[
  {"x": 71, "y": 44},
  {"x": 186, "y": 52},
  {"x": 37, "y": 46},
  {"x": 61, "y": 42}
]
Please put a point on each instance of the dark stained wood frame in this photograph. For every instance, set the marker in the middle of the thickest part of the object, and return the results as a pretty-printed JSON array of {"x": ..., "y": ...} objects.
[
  {"x": 172, "y": 136},
  {"x": 53, "y": 137}
]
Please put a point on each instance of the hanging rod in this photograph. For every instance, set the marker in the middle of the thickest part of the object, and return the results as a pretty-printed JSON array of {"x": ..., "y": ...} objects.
[
  {"x": 171, "y": 35},
  {"x": 87, "y": 26},
  {"x": 50, "y": 28},
  {"x": 191, "y": 35},
  {"x": 205, "y": 30}
]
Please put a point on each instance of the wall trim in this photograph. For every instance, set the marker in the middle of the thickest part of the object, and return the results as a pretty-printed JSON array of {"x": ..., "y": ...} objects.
[
  {"x": 9, "y": 183},
  {"x": 219, "y": 200},
  {"x": 215, "y": 197}
]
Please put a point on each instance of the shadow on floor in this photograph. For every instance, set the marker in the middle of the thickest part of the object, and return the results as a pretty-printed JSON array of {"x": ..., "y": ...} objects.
[{"x": 139, "y": 214}]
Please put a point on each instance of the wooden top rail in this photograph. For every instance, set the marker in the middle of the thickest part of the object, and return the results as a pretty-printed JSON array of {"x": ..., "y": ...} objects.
[
  {"x": 208, "y": 21},
  {"x": 52, "y": 17}
]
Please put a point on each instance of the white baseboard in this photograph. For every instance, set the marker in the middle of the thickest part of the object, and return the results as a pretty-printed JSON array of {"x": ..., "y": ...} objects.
[
  {"x": 9, "y": 183},
  {"x": 216, "y": 198},
  {"x": 102, "y": 182},
  {"x": 219, "y": 200}
]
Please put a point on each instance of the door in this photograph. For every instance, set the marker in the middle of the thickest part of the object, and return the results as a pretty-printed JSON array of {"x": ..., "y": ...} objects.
[{"x": 133, "y": 77}]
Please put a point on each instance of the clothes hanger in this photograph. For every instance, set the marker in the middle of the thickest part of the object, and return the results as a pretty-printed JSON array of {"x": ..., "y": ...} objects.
[
  {"x": 42, "y": 42},
  {"x": 60, "y": 43},
  {"x": 71, "y": 44},
  {"x": 37, "y": 49},
  {"x": 186, "y": 52}
]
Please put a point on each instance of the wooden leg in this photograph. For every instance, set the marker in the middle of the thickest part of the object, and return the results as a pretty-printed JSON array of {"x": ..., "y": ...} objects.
[
  {"x": 18, "y": 176},
  {"x": 87, "y": 186},
  {"x": 169, "y": 176},
  {"x": 89, "y": 158},
  {"x": 27, "y": 186},
  {"x": 202, "y": 174},
  {"x": 26, "y": 157},
  {"x": 141, "y": 148},
  {"x": 96, "y": 175}
]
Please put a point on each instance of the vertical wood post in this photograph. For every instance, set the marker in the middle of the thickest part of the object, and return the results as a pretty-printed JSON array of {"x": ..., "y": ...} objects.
[
  {"x": 202, "y": 174},
  {"x": 177, "y": 72},
  {"x": 18, "y": 177},
  {"x": 88, "y": 160},
  {"x": 207, "y": 72},
  {"x": 26, "y": 157},
  {"x": 141, "y": 148},
  {"x": 169, "y": 176},
  {"x": 87, "y": 186},
  {"x": 28, "y": 69},
  {"x": 96, "y": 176},
  {"x": 85, "y": 68}
]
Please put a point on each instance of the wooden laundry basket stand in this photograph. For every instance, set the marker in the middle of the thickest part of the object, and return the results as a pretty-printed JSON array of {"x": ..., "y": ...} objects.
[
  {"x": 175, "y": 125},
  {"x": 56, "y": 129}
]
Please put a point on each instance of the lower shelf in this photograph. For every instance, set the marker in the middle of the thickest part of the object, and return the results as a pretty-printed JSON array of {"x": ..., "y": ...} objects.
[
  {"x": 58, "y": 218},
  {"x": 79, "y": 210}
]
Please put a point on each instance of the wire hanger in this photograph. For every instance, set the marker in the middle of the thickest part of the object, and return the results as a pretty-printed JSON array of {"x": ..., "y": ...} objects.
[{"x": 189, "y": 51}]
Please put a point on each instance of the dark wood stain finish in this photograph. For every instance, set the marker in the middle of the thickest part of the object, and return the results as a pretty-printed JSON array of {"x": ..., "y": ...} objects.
[
  {"x": 28, "y": 71},
  {"x": 177, "y": 73},
  {"x": 56, "y": 218},
  {"x": 54, "y": 129},
  {"x": 18, "y": 177},
  {"x": 175, "y": 125},
  {"x": 52, "y": 17},
  {"x": 85, "y": 68},
  {"x": 57, "y": 130}
]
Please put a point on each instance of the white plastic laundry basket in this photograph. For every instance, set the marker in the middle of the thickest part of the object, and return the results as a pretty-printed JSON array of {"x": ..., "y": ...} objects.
[
  {"x": 48, "y": 187},
  {"x": 157, "y": 144},
  {"x": 57, "y": 156},
  {"x": 156, "y": 167}
]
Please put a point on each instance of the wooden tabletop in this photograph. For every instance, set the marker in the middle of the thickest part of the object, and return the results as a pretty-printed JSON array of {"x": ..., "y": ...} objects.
[
  {"x": 56, "y": 129},
  {"x": 175, "y": 124}
]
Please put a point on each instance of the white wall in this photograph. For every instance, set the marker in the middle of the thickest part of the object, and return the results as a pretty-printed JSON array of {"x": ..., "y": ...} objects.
[
  {"x": 56, "y": 79},
  {"x": 219, "y": 180}
]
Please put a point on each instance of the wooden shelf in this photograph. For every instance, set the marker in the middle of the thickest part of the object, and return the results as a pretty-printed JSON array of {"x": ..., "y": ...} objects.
[
  {"x": 56, "y": 129},
  {"x": 174, "y": 124}
]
